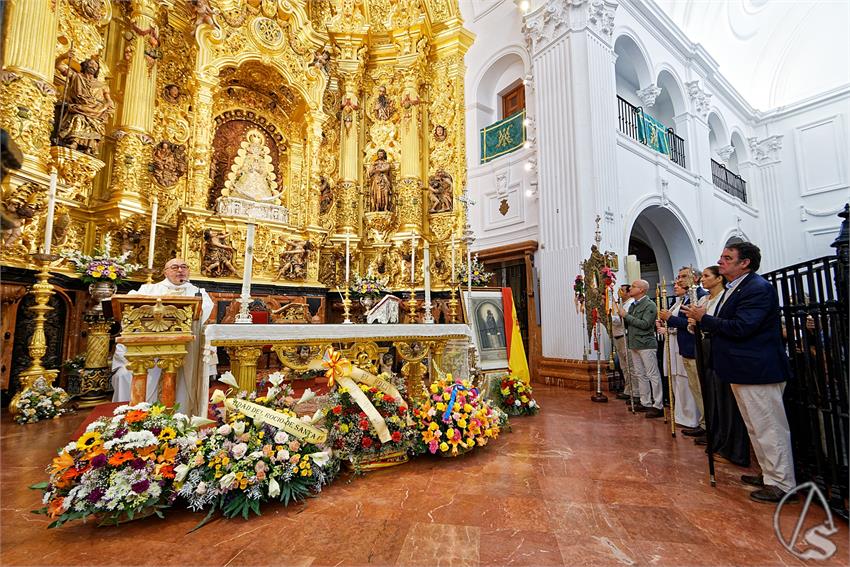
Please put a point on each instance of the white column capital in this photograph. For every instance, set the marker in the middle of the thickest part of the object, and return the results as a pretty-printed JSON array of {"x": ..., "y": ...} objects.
[
  {"x": 766, "y": 151},
  {"x": 700, "y": 98},
  {"x": 551, "y": 19},
  {"x": 648, "y": 95},
  {"x": 725, "y": 153}
]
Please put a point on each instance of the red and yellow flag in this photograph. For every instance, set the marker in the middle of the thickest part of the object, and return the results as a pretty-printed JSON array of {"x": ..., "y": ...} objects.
[{"x": 517, "y": 363}]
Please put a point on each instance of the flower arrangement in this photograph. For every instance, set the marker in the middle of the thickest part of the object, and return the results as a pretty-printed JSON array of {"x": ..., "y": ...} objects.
[
  {"x": 454, "y": 419},
  {"x": 480, "y": 277},
  {"x": 579, "y": 290},
  {"x": 244, "y": 462},
  {"x": 609, "y": 278},
  {"x": 353, "y": 435},
  {"x": 41, "y": 401},
  {"x": 120, "y": 467},
  {"x": 515, "y": 397},
  {"x": 369, "y": 285},
  {"x": 101, "y": 266}
]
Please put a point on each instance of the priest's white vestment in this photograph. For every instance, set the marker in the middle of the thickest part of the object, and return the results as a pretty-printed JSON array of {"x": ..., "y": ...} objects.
[{"x": 192, "y": 394}]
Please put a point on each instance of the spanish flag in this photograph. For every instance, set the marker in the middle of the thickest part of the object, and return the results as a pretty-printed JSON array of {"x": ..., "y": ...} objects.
[{"x": 517, "y": 363}]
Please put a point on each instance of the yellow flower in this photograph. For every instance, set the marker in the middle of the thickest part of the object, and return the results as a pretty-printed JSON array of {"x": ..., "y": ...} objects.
[
  {"x": 444, "y": 446},
  {"x": 446, "y": 396},
  {"x": 450, "y": 432},
  {"x": 364, "y": 387},
  {"x": 156, "y": 410},
  {"x": 467, "y": 408},
  {"x": 461, "y": 423},
  {"x": 433, "y": 426},
  {"x": 523, "y": 399},
  {"x": 167, "y": 434},
  {"x": 441, "y": 406},
  {"x": 434, "y": 388},
  {"x": 343, "y": 428},
  {"x": 89, "y": 441}
]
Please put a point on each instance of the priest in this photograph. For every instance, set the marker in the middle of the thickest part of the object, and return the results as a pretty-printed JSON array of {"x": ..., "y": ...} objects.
[{"x": 193, "y": 376}]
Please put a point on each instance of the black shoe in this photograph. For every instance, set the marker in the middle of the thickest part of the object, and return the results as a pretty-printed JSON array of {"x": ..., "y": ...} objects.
[
  {"x": 622, "y": 396},
  {"x": 693, "y": 431},
  {"x": 701, "y": 440},
  {"x": 639, "y": 407},
  {"x": 753, "y": 480},
  {"x": 653, "y": 412},
  {"x": 771, "y": 494},
  {"x": 629, "y": 402}
]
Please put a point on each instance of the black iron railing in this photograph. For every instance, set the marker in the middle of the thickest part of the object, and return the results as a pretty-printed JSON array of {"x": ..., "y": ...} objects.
[
  {"x": 629, "y": 121},
  {"x": 727, "y": 181},
  {"x": 815, "y": 330}
]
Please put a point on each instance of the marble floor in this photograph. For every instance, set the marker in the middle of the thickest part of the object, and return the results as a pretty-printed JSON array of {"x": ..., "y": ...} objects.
[{"x": 579, "y": 484}]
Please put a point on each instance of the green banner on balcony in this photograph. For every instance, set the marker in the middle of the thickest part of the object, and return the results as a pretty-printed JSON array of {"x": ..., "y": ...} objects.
[
  {"x": 653, "y": 133},
  {"x": 503, "y": 137}
]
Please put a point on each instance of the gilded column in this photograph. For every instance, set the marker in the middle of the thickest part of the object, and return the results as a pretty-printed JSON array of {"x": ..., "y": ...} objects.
[
  {"x": 410, "y": 208},
  {"x": 202, "y": 135},
  {"x": 349, "y": 159},
  {"x": 314, "y": 145},
  {"x": 27, "y": 95},
  {"x": 135, "y": 122}
]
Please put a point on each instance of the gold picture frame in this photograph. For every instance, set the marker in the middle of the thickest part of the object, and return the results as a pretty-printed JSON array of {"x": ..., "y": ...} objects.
[{"x": 488, "y": 326}]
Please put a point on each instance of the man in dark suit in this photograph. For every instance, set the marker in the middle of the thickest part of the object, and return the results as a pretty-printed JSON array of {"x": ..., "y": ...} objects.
[
  {"x": 640, "y": 327},
  {"x": 747, "y": 352},
  {"x": 687, "y": 344}
]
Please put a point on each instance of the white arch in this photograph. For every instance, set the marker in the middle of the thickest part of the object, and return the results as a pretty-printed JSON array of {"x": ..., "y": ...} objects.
[
  {"x": 655, "y": 203},
  {"x": 733, "y": 232},
  {"x": 644, "y": 73},
  {"x": 484, "y": 87},
  {"x": 511, "y": 49},
  {"x": 717, "y": 126},
  {"x": 742, "y": 152},
  {"x": 677, "y": 95}
]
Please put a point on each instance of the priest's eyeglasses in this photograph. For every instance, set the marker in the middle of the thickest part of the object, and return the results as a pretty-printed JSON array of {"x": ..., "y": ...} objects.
[{"x": 177, "y": 267}]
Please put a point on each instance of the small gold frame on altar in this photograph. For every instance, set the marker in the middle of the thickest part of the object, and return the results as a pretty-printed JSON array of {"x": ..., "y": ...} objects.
[{"x": 488, "y": 326}]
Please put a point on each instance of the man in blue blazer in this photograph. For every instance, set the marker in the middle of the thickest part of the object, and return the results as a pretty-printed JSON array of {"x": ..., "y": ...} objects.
[{"x": 747, "y": 352}]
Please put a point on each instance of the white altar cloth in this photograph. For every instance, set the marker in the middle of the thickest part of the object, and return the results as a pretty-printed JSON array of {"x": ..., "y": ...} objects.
[{"x": 224, "y": 335}]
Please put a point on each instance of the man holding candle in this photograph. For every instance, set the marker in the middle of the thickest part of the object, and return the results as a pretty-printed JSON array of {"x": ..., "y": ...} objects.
[{"x": 192, "y": 394}]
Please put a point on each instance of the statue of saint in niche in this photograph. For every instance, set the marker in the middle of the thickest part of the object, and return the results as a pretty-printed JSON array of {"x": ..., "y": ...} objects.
[
  {"x": 89, "y": 107},
  {"x": 218, "y": 255},
  {"x": 252, "y": 175},
  {"x": 384, "y": 106},
  {"x": 380, "y": 183}
]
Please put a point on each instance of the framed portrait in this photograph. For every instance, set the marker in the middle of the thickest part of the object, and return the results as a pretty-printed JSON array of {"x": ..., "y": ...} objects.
[{"x": 484, "y": 308}]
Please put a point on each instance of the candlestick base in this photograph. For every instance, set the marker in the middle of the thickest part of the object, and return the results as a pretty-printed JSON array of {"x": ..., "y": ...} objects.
[
  {"x": 148, "y": 275},
  {"x": 411, "y": 306},
  {"x": 244, "y": 316},
  {"x": 428, "y": 318},
  {"x": 453, "y": 301},
  {"x": 346, "y": 306}
]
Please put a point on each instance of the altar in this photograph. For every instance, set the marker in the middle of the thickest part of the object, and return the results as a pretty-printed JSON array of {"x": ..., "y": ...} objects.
[{"x": 420, "y": 348}]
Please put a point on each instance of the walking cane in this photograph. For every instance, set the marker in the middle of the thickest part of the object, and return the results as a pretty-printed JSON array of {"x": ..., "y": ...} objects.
[
  {"x": 628, "y": 371},
  {"x": 663, "y": 299},
  {"x": 700, "y": 361}
]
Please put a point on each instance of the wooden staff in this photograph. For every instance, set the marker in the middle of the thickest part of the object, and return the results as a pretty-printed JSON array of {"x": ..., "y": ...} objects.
[
  {"x": 659, "y": 299},
  {"x": 628, "y": 370}
]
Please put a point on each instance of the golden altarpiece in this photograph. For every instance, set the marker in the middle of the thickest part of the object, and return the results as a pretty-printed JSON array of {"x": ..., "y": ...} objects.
[{"x": 327, "y": 120}]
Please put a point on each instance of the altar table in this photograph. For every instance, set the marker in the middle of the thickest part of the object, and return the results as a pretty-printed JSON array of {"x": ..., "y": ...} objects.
[{"x": 297, "y": 345}]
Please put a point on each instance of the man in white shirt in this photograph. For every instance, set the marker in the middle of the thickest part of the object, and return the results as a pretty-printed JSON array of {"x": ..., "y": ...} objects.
[
  {"x": 192, "y": 393},
  {"x": 618, "y": 330}
]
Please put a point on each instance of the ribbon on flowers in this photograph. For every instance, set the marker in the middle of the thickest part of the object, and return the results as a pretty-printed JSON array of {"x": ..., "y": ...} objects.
[
  {"x": 336, "y": 366},
  {"x": 291, "y": 425},
  {"x": 449, "y": 408}
]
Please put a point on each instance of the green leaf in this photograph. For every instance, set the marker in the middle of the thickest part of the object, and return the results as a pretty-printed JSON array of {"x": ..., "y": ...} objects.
[
  {"x": 204, "y": 521},
  {"x": 40, "y": 486}
]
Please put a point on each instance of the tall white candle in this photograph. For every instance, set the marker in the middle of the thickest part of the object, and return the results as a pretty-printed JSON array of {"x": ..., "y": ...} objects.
[
  {"x": 426, "y": 271},
  {"x": 152, "y": 240},
  {"x": 453, "y": 258},
  {"x": 51, "y": 210},
  {"x": 347, "y": 257},
  {"x": 249, "y": 261},
  {"x": 469, "y": 284},
  {"x": 412, "y": 259}
]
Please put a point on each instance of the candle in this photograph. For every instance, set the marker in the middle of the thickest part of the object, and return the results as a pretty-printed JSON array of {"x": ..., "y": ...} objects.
[
  {"x": 51, "y": 209},
  {"x": 426, "y": 271},
  {"x": 412, "y": 260},
  {"x": 453, "y": 258},
  {"x": 152, "y": 239},
  {"x": 469, "y": 283},
  {"x": 249, "y": 261},
  {"x": 347, "y": 257}
]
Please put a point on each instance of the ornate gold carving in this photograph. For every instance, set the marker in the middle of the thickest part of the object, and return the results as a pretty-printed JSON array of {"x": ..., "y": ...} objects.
[
  {"x": 20, "y": 205},
  {"x": 441, "y": 225},
  {"x": 77, "y": 170},
  {"x": 157, "y": 318},
  {"x": 347, "y": 205},
  {"x": 26, "y": 112},
  {"x": 268, "y": 33},
  {"x": 364, "y": 355},
  {"x": 379, "y": 226},
  {"x": 409, "y": 204},
  {"x": 297, "y": 357},
  {"x": 130, "y": 166},
  {"x": 504, "y": 207}
]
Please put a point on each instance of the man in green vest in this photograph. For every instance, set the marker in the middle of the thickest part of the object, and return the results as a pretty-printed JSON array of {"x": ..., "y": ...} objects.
[{"x": 640, "y": 329}]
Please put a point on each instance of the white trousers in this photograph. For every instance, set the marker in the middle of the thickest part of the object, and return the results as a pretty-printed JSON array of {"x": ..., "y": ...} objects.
[
  {"x": 764, "y": 414},
  {"x": 647, "y": 377},
  {"x": 626, "y": 364}
]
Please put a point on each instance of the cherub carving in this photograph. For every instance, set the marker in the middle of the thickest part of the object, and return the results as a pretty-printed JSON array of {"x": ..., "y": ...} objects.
[{"x": 218, "y": 255}]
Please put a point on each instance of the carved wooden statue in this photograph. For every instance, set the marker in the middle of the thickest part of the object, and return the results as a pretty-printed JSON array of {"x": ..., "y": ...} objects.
[
  {"x": 380, "y": 182},
  {"x": 293, "y": 260},
  {"x": 440, "y": 192},
  {"x": 218, "y": 255},
  {"x": 89, "y": 107}
]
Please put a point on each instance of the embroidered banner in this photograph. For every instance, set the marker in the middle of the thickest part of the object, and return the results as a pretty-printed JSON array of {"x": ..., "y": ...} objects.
[
  {"x": 653, "y": 133},
  {"x": 503, "y": 137}
]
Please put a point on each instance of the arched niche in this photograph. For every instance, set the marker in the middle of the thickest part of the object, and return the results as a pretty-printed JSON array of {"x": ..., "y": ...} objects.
[
  {"x": 667, "y": 235},
  {"x": 671, "y": 102},
  {"x": 504, "y": 71},
  {"x": 632, "y": 69}
]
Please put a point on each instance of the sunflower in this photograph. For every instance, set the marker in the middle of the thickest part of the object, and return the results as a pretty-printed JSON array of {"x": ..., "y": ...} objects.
[
  {"x": 167, "y": 434},
  {"x": 135, "y": 415},
  {"x": 89, "y": 441}
]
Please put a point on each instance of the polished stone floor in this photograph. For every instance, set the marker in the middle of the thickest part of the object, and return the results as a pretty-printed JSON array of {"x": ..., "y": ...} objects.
[{"x": 579, "y": 484}]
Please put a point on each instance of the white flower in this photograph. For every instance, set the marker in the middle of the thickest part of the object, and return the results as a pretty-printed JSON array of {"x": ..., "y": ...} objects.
[
  {"x": 227, "y": 480},
  {"x": 272, "y": 392},
  {"x": 217, "y": 397},
  {"x": 282, "y": 455},
  {"x": 517, "y": 403},
  {"x": 321, "y": 458},
  {"x": 238, "y": 451},
  {"x": 239, "y": 427},
  {"x": 229, "y": 379},
  {"x": 276, "y": 378},
  {"x": 198, "y": 421},
  {"x": 224, "y": 430},
  {"x": 180, "y": 472},
  {"x": 306, "y": 396},
  {"x": 92, "y": 426},
  {"x": 121, "y": 409},
  {"x": 202, "y": 488},
  {"x": 274, "y": 488},
  {"x": 280, "y": 437}
]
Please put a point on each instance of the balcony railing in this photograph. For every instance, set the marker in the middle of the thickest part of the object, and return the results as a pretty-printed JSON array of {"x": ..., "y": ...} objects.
[
  {"x": 631, "y": 121},
  {"x": 728, "y": 181}
]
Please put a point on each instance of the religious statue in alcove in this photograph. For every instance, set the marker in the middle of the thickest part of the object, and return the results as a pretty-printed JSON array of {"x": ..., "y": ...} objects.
[
  {"x": 440, "y": 192},
  {"x": 169, "y": 163},
  {"x": 384, "y": 106},
  {"x": 380, "y": 182},
  {"x": 252, "y": 174},
  {"x": 89, "y": 107},
  {"x": 218, "y": 255},
  {"x": 326, "y": 196},
  {"x": 293, "y": 260}
]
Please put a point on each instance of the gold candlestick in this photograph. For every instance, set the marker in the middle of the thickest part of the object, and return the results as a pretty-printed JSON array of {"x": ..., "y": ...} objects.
[
  {"x": 42, "y": 290},
  {"x": 346, "y": 306},
  {"x": 453, "y": 301},
  {"x": 411, "y": 306}
]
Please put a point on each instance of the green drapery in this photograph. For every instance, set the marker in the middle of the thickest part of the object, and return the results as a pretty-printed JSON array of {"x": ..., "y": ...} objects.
[
  {"x": 503, "y": 137},
  {"x": 653, "y": 133}
]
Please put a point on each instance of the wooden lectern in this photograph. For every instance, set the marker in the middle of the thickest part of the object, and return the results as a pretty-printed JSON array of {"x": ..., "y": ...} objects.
[{"x": 155, "y": 331}]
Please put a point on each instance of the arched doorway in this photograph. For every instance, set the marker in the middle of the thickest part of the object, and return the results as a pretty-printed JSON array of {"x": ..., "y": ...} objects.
[{"x": 662, "y": 244}]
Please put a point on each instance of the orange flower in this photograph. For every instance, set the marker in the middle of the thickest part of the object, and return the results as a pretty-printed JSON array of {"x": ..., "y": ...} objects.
[
  {"x": 55, "y": 507},
  {"x": 61, "y": 463},
  {"x": 165, "y": 471},
  {"x": 120, "y": 458},
  {"x": 168, "y": 454},
  {"x": 146, "y": 452},
  {"x": 135, "y": 415}
]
